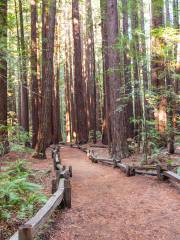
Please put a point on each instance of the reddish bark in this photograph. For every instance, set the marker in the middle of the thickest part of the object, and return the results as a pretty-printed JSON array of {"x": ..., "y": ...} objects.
[
  {"x": 90, "y": 72},
  {"x": 34, "y": 75},
  {"x": 81, "y": 116},
  {"x": 45, "y": 128},
  {"x": 119, "y": 148},
  {"x": 24, "y": 86},
  {"x": 3, "y": 75},
  {"x": 106, "y": 128},
  {"x": 127, "y": 73},
  {"x": 57, "y": 135}
]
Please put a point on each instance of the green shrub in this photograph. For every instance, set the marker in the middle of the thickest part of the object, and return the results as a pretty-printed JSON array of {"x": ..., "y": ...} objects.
[{"x": 18, "y": 196}]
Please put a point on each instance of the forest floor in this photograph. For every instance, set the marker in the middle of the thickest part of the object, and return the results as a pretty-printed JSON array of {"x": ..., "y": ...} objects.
[
  {"x": 105, "y": 203},
  {"x": 108, "y": 205}
]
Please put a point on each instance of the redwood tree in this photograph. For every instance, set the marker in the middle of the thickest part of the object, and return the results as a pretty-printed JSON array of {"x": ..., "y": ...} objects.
[
  {"x": 24, "y": 86},
  {"x": 106, "y": 128},
  {"x": 119, "y": 148},
  {"x": 34, "y": 76},
  {"x": 136, "y": 73},
  {"x": 57, "y": 135},
  {"x": 90, "y": 71},
  {"x": 127, "y": 70},
  {"x": 48, "y": 24},
  {"x": 81, "y": 116},
  {"x": 3, "y": 74},
  {"x": 157, "y": 66}
]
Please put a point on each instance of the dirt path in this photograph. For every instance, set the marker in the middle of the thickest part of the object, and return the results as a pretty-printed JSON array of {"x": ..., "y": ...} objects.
[{"x": 106, "y": 205}]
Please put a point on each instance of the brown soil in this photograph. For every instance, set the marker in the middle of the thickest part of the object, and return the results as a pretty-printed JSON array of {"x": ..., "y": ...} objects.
[{"x": 108, "y": 205}]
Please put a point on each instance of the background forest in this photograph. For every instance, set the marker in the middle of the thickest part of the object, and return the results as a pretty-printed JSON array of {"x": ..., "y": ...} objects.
[{"x": 90, "y": 71}]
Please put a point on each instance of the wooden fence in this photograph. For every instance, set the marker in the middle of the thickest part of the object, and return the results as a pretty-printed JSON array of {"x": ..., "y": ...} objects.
[
  {"x": 167, "y": 174},
  {"x": 61, "y": 196},
  {"x": 153, "y": 170}
]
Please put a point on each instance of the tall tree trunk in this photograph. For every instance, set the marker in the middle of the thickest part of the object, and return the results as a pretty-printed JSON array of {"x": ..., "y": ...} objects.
[
  {"x": 106, "y": 129},
  {"x": 157, "y": 68},
  {"x": 90, "y": 71},
  {"x": 71, "y": 79},
  {"x": 34, "y": 75},
  {"x": 81, "y": 116},
  {"x": 3, "y": 76},
  {"x": 19, "y": 63},
  {"x": 47, "y": 78},
  {"x": 57, "y": 135},
  {"x": 24, "y": 86},
  {"x": 136, "y": 75},
  {"x": 176, "y": 8},
  {"x": 119, "y": 139},
  {"x": 172, "y": 83},
  {"x": 127, "y": 72},
  {"x": 67, "y": 96},
  {"x": 143, "y": 54}
]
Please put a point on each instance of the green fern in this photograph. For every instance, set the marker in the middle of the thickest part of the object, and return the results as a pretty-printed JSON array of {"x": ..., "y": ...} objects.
[{"x": 19, "y": 196}]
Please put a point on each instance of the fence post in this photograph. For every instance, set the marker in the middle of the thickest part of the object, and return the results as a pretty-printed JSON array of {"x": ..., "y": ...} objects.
[
  {"x": 70, "y": 171},
  {"x": 160, "y": 173},
  {"x": 67, "y": 193},
  {"x": 54, "y": 186},
  {"x": 58, "y": 175},
  {"x": 25, "y": 232}
]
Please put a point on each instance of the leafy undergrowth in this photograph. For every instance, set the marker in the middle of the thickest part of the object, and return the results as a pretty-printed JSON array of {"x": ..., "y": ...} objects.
[{"x": 20, "y": 196}]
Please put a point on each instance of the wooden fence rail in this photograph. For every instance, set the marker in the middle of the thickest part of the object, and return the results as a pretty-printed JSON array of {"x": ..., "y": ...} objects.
[
  {"x": 61, "y": 196},
  {"x": 154, "y": 170},
  {"x": 163, "y": 175}
]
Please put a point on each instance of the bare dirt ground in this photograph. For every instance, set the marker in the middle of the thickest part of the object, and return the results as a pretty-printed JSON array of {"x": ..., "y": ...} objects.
[{"x": 108, "y": 205}]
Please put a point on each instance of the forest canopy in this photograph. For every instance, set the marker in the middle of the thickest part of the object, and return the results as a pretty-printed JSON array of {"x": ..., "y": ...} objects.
[{"x": 81, "y": 71}]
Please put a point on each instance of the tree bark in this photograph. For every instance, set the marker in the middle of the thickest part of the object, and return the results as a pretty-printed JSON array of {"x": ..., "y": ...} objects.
[
  {"x": 57, "y": 135},
  {"x": 119, "y": 148},
  {"x": 158, "y": 67},
  {"x": 127, "y": 72},
  {"x": 24, "y": 86},
  {"x": 137, "y": 85},
  {"x": 81, "y": 115},
  {"x": 3, "y": 77},
  {"x": 106, "y": 128},
  {"x": 90, "y": 71},
  {"x": 67, "y": 96},
  {"x": 47, "y": 78},
  {"x": 34, "y": 74},
  {"x": 19, "y": 63}
]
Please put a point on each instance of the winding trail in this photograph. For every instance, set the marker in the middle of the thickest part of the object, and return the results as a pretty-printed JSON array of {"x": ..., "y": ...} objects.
[{"x": 107, "y": 205}]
